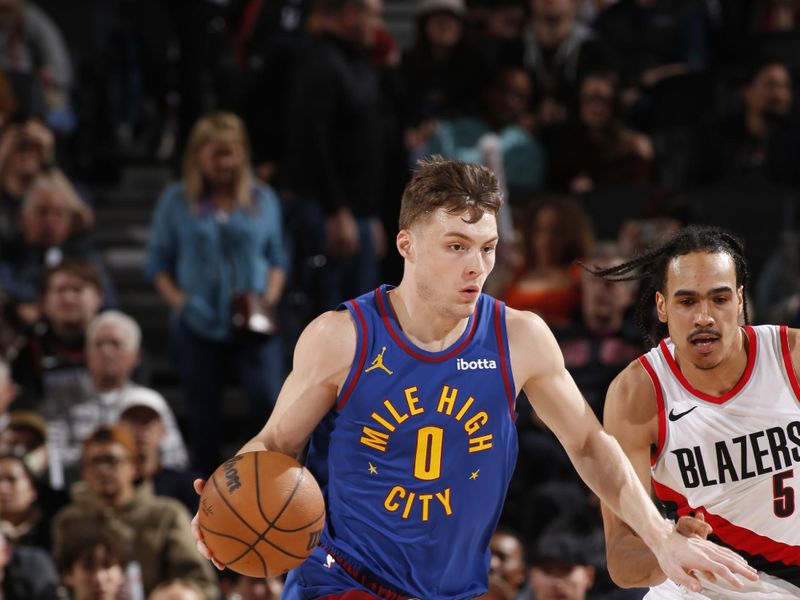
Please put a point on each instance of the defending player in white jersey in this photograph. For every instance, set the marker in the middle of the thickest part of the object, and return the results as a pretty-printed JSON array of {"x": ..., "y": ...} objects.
[{"x": 710, "y": 419}]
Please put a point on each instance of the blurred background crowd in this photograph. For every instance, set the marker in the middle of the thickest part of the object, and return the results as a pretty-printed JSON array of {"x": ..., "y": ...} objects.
[{"x": 184, "y": 184}]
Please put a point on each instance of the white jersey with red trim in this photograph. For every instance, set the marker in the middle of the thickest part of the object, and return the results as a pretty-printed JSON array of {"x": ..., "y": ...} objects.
[{"x": 736, "y": 459}]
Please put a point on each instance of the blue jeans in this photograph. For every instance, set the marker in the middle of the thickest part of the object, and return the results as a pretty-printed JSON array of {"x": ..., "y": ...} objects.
[{"x": 204, "y": 366}]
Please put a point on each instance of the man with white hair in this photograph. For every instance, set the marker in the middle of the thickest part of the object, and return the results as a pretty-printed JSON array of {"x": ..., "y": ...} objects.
[{"x": 112, "y": 354}]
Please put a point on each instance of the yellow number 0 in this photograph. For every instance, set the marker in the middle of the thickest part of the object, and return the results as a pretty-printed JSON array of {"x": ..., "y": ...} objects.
[{"x": 428, "y": 462}]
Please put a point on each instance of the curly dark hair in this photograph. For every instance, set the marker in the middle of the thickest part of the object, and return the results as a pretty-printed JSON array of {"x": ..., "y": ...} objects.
[{"x": 650, "y": 267}]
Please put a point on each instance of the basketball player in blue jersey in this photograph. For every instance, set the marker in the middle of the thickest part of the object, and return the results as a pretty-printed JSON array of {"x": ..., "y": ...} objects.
[
  {"x": 710, "y": 420},
  {"x": 407, "y": 396}
]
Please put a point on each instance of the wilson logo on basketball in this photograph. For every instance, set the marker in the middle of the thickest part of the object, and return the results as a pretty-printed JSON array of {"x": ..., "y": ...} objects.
[{"x": 232, "y": 475}]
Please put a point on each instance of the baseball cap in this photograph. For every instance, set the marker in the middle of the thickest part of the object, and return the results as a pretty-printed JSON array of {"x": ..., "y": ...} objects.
[
  {"x": 144, "y": 397},
  {"x": 456, "y": 7},
  {"x": 32, "y": 421}
]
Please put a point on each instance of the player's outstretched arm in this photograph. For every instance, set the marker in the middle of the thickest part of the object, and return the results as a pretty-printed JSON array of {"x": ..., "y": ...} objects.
[
  {"x": 537, "y": 363},
  {"x": 322, "y": 359}
]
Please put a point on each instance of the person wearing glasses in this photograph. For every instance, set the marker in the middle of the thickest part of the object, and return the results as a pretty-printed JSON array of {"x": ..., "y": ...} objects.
[{"x": 157, "y": 528}]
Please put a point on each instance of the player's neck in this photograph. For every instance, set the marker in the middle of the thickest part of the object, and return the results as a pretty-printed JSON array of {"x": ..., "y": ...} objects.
[
  {"x": 722, "y": 378},
  {"x": 424, "y": 326}
]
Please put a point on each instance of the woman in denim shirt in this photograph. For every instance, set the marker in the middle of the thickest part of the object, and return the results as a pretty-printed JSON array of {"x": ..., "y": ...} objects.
[{"x": 216, "y": 233}]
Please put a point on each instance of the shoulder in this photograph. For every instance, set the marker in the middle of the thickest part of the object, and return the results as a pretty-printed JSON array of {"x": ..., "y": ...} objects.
[
  {"x": 173, "y": 194},
  {"x": 329, "y": 341},
  {"x": 631, "y": 398},
  {"x": 532, "y": 345},
  {"x": 794, "y": 346}
]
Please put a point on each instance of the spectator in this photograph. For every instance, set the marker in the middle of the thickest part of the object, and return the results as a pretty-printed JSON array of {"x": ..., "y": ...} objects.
[
  {"x": 556, "y": 232},
  {"x": 559, "y": 51},
  {"x": 27, "y": 150},
  {"x": 442, "y": 72},
  {"x": 597, "y": 148},
  {"x": 177, "y": 589},
  {"x": 563, "y": 561},
  {"x": 217, "y": 237},
  {"x": 36, "y": 59},
  {"x": 654, "y": 40},
  {"x": 53, "y": 362},
  {"x": 143, "y": 414},
  {"x": 334, "y": 160},
  {"x": 26, "y": 572},
  {"x": 157, "y": 528},
  {"x": 504, "y": 116},
  {"x": 112, "y": 354},
  {"x": 92, "y": 566},
  {"x": 22, "y": 518},
  {"x": 48, "y": 238},
  {"x": 26, "y": 435},
  {"x": 741, "y": 143},
  {"x": 242, "y": 587},
  {"x": 508, "y": 562},
  {"x": 600, "y": 339}
]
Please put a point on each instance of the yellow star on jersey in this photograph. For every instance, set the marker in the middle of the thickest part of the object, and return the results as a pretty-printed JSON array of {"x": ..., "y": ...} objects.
[
  {"x": 372, "y": 469},
  {"x": 474, "y": 474}
]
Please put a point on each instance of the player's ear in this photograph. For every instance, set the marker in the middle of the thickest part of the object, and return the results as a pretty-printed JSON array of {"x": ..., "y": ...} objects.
[
  {"x": 661, "y": 307},
  {"x": 406, "y": 244},
  {"x": 740, "y": 298}
]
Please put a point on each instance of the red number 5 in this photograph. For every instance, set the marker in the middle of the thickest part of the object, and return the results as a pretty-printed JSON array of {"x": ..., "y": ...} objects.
[{"x": 783, "y": 502}]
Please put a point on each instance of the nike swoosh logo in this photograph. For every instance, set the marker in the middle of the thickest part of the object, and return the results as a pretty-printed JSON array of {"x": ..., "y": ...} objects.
[{"x": 675, "y": 416}]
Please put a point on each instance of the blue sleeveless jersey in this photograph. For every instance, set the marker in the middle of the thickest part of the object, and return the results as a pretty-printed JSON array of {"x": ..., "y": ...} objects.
[{"x": 416, "y": 457}]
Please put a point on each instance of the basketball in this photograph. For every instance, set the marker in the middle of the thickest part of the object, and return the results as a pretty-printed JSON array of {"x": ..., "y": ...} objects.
[{"x": 261, "y": 513}]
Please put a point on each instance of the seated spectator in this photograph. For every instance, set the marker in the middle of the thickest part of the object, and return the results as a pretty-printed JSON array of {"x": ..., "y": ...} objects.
[
  {"x": 216, "y": 237},
  {"x": 777, "y": 294},
  {"x": 52, "y": 364},
  {"x": 241, "y": 587},
  {"x": 92, "y": 566},
  {"x": 36, "y": 60},
  {"x": 143, "y": 413},
  {"x": 48, "y": 238},
  {"x": 503, "y": 116},
  {"x": 597, "y": 148},
  {"x": 177, "y": 589},
  {"x": 27, "y": 151},
  {"x": 558, "y": 51},
  {"x": 555, "y": 233},
  {"x": 26, "y": 572},
  {"x": 508, "y": 562},
  {"x": 26, "y": 435},
  {"x": 654, "y": 40},
  {"x": 563, "y": 561},
  {"x": 742, "y": 143},
  {"x": 600, "y": 338},
  {"x": 21, "y": 517},
  {"x": 112, "y": 353},
  {"x": 158, "y": 529},
  {"x": 443, "y": 74}
]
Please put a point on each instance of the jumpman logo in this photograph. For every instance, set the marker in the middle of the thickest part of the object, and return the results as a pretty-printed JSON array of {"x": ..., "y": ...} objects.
[{"x": 377, "y": 363}]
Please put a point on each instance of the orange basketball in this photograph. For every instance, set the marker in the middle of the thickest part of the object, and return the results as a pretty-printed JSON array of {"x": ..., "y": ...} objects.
[{"x": 261, "y": 513}]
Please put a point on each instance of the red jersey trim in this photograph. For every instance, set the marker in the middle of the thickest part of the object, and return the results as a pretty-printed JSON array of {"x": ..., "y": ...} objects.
[
  {"x": 501, "y": 348},
  {"x": 787, "y": 362},
  {"x": 387, "y": 322},
  {"x": 735, "y": 536},
  {"x": 751, "y": 361},
  {"x": 362, "y": 355},
  {"x": 662, "y": 416}
]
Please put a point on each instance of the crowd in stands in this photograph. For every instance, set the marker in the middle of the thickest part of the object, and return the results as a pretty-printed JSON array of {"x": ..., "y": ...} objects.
[{"x": 291, "y": 127}]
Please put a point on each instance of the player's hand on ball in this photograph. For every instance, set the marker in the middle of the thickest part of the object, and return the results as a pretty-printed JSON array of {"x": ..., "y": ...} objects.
[
  {"x": 681, "y": 558},
  {"x": 199, "y": 484}
]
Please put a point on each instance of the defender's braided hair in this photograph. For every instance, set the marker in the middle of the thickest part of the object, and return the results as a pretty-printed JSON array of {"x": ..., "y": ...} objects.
[{"x": 650, "y": 267}]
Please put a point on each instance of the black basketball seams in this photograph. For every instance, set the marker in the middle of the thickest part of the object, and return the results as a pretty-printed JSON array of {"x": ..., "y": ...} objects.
[{"x": 271, "y": 524}]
